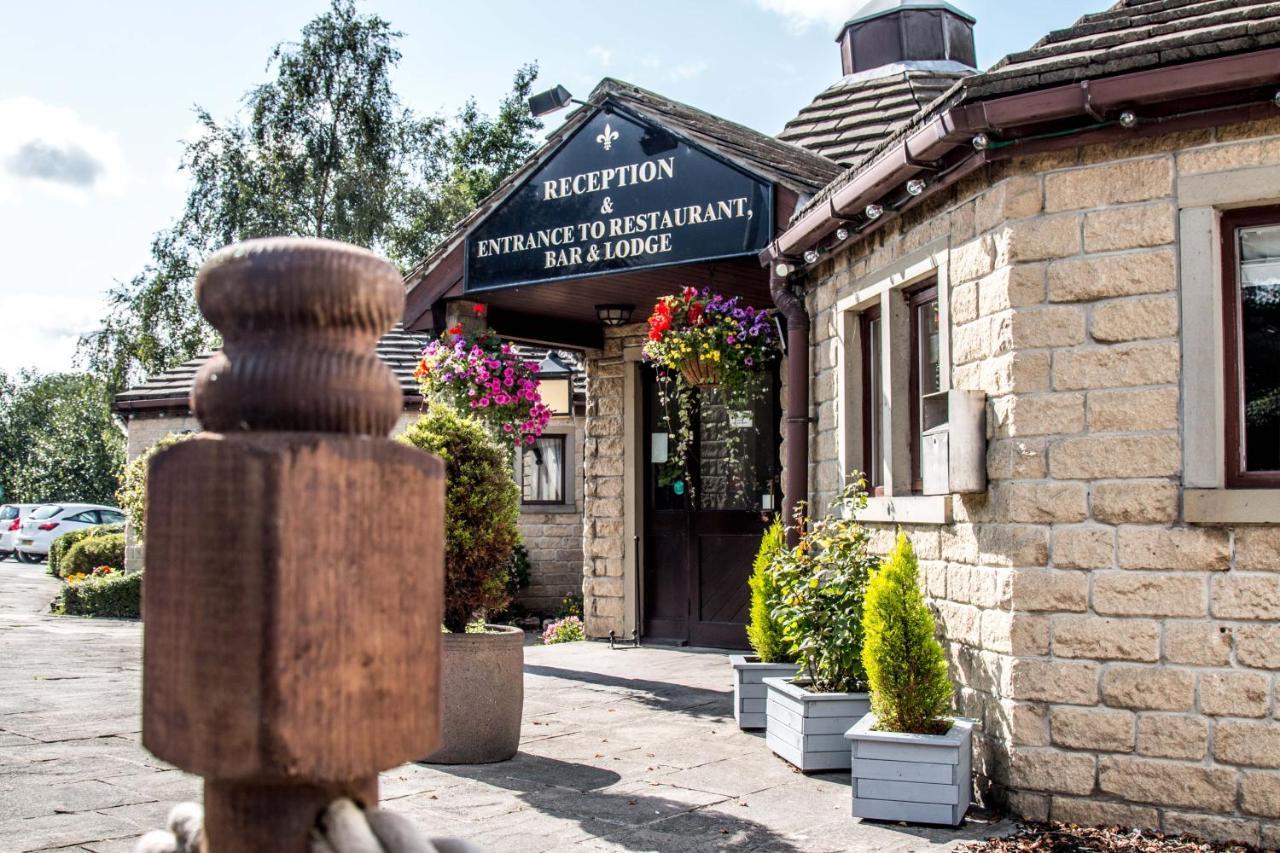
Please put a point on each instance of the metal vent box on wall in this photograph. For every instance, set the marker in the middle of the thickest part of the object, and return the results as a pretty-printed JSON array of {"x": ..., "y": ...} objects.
[{"x": 953, "y": 442}]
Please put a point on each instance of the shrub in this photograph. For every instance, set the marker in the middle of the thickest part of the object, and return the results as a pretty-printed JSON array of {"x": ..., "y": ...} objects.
[
  {"x": 117, "y": 595},
  {"x": 566, "y": 630},
  {"x": 93, "y": 551},
  {"x": 132, "y": 494},
  {"x": 482, "y": 510},
  {"x": 764, "y": 632},
  {"x": 822, "y": 581},
  {"x": 571, "y": 605},
  {"x": 59, "y": 547},
  {"x": 905, "y": 666}
]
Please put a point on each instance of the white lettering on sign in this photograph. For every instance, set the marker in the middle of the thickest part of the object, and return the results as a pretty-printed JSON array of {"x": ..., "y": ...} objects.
[{"x": 606, "y": 179}]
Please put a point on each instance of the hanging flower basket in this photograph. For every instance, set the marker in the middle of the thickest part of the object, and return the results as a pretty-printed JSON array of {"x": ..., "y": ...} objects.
[{"x": 701, "y": 373}]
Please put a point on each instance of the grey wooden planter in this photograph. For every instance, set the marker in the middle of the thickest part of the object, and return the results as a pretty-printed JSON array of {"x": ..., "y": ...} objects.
[
  {"x": 748, "y": 687},
  {"x": 913, "y": 778},
  {"x": 807, "y": 728}
]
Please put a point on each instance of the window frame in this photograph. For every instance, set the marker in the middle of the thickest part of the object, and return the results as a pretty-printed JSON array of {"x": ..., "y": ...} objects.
[
  {"x": 872, "y": 363},
  {"x": 917, "y": 297},
  {"x": 565, "y": 462},
  {"x": 1235, "y": 474}
]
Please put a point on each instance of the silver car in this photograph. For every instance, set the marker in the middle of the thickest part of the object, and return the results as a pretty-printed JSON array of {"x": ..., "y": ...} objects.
[
  {"x": 11, "y": 516},
  {"x": 49, "y": 521}
]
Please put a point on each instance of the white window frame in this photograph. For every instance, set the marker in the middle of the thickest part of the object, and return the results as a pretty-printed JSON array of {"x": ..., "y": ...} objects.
[
  {"x": 1201, "y": 200},
  {"x": 886, "y": 288}
]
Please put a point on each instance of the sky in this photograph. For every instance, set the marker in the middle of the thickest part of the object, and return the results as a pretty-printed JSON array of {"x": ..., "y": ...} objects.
[{"x": 96, "y": 98}]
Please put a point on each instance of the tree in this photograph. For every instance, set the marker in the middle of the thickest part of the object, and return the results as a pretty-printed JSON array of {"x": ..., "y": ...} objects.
[
  {"x": 58, "y": 439},
  {"x": 324, "y": 149}
]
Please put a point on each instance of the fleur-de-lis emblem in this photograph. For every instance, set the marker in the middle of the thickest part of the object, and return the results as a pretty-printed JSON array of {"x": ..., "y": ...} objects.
[{"x": 607, "y": 137}]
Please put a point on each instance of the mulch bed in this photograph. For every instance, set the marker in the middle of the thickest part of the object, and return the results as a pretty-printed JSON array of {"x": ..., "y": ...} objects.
[{"x": 1060, "y": 838}]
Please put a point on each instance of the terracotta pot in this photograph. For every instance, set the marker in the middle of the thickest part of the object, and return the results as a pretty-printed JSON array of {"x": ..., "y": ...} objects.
[
  {"x": 481, "y": 696},
  {"x": 700, "y": 373}
]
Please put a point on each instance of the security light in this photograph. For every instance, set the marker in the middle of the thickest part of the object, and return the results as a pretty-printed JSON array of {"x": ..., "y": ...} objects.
[
  {"x": 915, "y": 186},
  {"x": 981, "y": 142},
  {"x": 811, "y": 256},
  {"x": 1128, "y": 119},
  {"x": 874, "y": 211},
  {"x": 614, "y": 314},
  {"x": 549, "y": 101},
  {"x": 782, "y": 270},
  {"x": 842, "y": 234}
]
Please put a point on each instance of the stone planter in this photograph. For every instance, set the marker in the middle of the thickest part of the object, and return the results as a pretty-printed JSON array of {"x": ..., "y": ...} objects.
[
  {"x": 749, "y": 691},
  {"x": 808, "y": 728},
  {"x": 908, "y": 777},
  {"x": 481, "y": 696}
]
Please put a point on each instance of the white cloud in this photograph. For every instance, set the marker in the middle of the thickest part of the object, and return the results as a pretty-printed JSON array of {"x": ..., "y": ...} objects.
[
  {"x": 688, "y": 71},
  {"x": 51, "y": 149},
  {"x": 41, "y": 329},
  {"x": 800, "y": 15},
  {"x": 602, "y": 54}
]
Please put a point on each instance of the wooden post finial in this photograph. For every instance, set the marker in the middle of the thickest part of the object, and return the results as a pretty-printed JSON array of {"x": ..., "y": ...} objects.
[{"x": 294, "y": 555}]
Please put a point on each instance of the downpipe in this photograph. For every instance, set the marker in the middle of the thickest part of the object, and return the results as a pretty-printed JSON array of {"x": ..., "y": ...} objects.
[{"x": 795, "y": 416}]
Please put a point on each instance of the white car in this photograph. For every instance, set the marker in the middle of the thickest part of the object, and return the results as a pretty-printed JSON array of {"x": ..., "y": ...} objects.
[
  {"x": 46, "y": 523},
  {"x": 11, "y": 516}
]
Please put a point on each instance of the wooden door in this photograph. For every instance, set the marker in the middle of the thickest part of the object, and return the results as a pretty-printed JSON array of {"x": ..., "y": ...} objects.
[{"x": 703, "y": 520}]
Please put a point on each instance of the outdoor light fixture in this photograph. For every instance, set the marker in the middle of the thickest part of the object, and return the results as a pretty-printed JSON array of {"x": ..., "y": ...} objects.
[
  {"x": 981, "y": 142},
  {"x": 549, "y": 101},
  {"x": 616, "y": 314},
  {"x": 873, "y": 212},
  {"x": 811, "y": 256},
  {"x": 781, "y": 270},
  {"x": 1128, "y": 119},
  {"x": 915, "y": 186},
  {"x": 842, "y": 234},
  {"x": 555, "y": 384},
  {"x": 1276, "y": 100}
]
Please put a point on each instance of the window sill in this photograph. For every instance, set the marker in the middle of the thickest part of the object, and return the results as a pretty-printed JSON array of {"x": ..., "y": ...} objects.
[
  {"x": 546, "y": 509},
  {"x": 908, "y": 509},
  {"x": 1231, "y": 506}
]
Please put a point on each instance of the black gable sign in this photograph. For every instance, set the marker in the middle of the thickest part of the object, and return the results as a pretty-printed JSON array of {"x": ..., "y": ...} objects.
[{"x": 620, "y": 194}]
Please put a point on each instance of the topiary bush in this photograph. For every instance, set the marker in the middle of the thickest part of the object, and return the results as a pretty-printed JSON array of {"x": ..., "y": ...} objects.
[
  {"x": 59, "y": 547},
  {"x": 822, "y": 581},
  {"x": 764, "y": 632},
  {"x": 482, "y": 510},
  {"x": 132, "y": 494},
  {"x": 116, "y": 594},
  {"x": 907, "y": 671},
  {"x": 93, "y": 551}
]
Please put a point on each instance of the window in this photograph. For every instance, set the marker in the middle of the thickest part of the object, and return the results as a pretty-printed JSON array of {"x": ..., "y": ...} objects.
[
  {"x": 87, "y": 517},
  {"x": 872, "y": 377},
  {"x": 542, "y": 471},
  {"x": 110, "y": 516},
  {"x": 48, "y": 511},
  {"x": 926, "y": 364},
  {"x": 8, "y": 513},
  {"x": 1251, "y": 311}
]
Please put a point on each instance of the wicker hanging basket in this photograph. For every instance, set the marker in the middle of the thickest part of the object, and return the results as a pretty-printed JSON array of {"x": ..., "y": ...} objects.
[{"x": 701, "y": 373}]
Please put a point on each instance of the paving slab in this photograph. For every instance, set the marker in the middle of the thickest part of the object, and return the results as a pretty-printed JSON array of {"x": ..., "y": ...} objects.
[{"x": 628, "y": 749}]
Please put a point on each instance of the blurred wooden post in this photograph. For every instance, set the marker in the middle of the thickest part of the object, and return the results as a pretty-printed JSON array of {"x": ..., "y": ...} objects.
[{"x": 294, "y": 577}]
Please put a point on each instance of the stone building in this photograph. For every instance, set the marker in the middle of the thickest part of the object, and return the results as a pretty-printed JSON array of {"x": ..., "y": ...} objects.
[
  {"x": 1036, "y": 304},
  {"x": 550, "y": 508}
]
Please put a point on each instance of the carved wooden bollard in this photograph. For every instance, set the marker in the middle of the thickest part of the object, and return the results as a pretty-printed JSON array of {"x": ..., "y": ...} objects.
[{"x": 294, "y": 578}]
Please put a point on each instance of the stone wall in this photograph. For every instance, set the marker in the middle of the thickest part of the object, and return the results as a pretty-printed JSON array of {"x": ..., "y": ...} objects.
[
  {"x": 1122, "y": 661},
  {"x": 553, "y": 535}
]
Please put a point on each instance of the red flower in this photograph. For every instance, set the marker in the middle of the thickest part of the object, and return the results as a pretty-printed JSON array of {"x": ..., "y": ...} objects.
[
  {"x": 456, "y": 330},
  {"x": 479, "y": 309},
  {"x": 695, "y": 314},
  {"x": 655, "y": 335},
  {"x": 421, "y": 370}
]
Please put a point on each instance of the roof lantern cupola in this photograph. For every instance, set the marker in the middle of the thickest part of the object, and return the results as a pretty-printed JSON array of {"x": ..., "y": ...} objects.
[{"x": 887, "y": 32}]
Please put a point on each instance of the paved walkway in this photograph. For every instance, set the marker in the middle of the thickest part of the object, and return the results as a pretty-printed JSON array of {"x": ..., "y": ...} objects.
[{"x": 623, "y": 750}]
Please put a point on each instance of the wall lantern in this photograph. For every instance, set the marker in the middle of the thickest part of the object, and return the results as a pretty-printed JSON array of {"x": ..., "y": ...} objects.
[
  {"x": 551, "y": 100},
  {"x": 555, "y": 384},
  {"x": 614, "y": 314}
]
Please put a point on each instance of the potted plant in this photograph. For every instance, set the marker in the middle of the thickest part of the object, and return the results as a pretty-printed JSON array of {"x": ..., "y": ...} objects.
[
  {"x": 772, "y": 654},
  {"x": 822, "y": 581},
  {"x": 911, "y": 762},
  {"x": 481, "y": 666}
]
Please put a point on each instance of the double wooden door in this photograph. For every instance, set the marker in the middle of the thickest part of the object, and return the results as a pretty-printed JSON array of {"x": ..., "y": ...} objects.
[{"x": 703, "y": 519}]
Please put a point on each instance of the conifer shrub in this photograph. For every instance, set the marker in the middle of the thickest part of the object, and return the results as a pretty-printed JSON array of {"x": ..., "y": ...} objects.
[
  {"x": 764, "y": 631},
  {"x": 482, "y": 511},
  {"x": 905, "y": 665},
  {"x": 822, "y": 581}
]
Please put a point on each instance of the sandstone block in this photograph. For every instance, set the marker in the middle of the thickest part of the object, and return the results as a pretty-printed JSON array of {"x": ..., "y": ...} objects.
[
  {"x": 1038, "y": 239},
  {"x": 1029, "y": 806},
  {"x": 1102, "y": 638},
  {"x": 1211, "y": 827},
  {"x": 1042, "y": 503},
  {"x": 1109, "y": 456},
  {"x": 1105, "y": 276},
  {"x": 1115, "y": 366},
  {"x": 1051, "y": 770},
  {"x": 1197, "y": 643},
  {"x": 1012, "y": 286},
  {"x": 1049, "y": 590},
  {"x": 1235, "y": 694},
  {"x": 1038, "y": 414},
  {"x": 1129, "y": 227},
  {"x": 1083, "y": 547},
  {"x": 1013, "y": 198},
  {"x": 1052, "y": 326},
  {"x": 964, "y": 303},
  {"x": 1023, "y": 635},
  {"x": 973, "y": 260},
  {"x": 1260, "y": 793},
  {"x": 1135, "y": 501},
  {"x": 1167, "y": 783},
  {"x": 1148, "y": 688},
  {"x": 1221, "y": 158},
  {"x": 1108, "y": 184},
  {"x": 1258, "y": 646},
  {"x": 1187, "y": 549},
  {"x": 1053, "y": 681},
  {"x": 1016, "y": 459},
  {"x": 1169, "y": 736},
  {"x": 1248, "y": 744},
  {"x": 1143, "y": 594},
  {"x": 1134, "y": 319},
  {"x": 1258, "y": 548},
  {"x": 1089, "y": 812},
  {"x": 1241, "y": 596},
  {"x": 1092, "y": 728},
  {"x": 1012, "y": 545},
  {"x": 1133, "y": 411}
]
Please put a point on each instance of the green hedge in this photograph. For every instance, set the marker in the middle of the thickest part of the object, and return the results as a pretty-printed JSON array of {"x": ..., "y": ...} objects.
[
  {"x": 91, "y": 552},
  {"x": 117, "y": 595},
  {"x": 59, "y": 547}
]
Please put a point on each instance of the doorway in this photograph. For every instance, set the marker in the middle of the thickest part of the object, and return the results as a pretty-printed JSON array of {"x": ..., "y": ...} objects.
[{"x": 703, "y": 519}]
